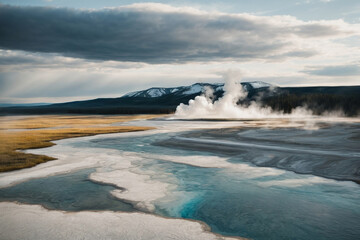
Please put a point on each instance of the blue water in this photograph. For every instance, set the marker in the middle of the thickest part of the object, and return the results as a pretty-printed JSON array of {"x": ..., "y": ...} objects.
[
  {"x": 231, "y": 205},
  {"x": 69, "y": 192},
  {"x": 229, "y": 201}
]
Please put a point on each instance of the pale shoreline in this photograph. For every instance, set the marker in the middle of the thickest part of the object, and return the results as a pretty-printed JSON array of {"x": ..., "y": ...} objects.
[
  {"x": 20, "y": 221},
  {"x": 71, "y": 159},
  {"x": 68, "y": 160},
  {"x": 31, "y": 132}
]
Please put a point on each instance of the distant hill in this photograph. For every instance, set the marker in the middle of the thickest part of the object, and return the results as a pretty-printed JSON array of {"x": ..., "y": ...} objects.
[
  {"x": 165, "y": 100},
  {"x": 22, "y": 104}
]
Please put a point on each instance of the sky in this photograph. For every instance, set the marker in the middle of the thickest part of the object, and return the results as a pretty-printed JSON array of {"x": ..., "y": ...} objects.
[{"x": 66, "y": 50}]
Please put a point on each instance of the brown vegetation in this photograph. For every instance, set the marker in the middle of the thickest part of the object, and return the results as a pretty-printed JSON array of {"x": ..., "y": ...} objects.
[{"x": 20, "y": 133}]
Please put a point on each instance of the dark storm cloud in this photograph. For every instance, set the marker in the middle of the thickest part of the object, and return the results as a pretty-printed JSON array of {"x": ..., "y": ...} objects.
[
  {"x": 340, "y": 70},
  {"x": 148, "y": 33},
  {"x": 11, "y": 60}
]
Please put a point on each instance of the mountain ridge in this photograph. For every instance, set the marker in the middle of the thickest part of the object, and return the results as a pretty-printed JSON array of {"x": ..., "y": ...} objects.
[
  {"x": 192, "y": 89},
  {"x": 165, "y": 100}
]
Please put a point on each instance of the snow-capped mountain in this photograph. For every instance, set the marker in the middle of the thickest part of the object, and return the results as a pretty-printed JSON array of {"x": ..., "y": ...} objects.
[
  {"x": 196, "y": 88},
  {"x": 165, "y": 100}
]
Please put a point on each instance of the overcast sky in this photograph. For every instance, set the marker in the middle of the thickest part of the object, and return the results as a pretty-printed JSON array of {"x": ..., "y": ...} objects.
[{"x": 64, "y": 50}]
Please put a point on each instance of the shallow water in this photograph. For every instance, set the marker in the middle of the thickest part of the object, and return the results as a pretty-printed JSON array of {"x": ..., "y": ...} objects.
[
  {"x": 235, "y": 206},
  {"x": 231, "y": 195},
  {"x": 332, "y": 151},
  {"x": 68, "y": 192}
]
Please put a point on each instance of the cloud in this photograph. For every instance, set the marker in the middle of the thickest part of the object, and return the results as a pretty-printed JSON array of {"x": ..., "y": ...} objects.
[
  {"x": 91, "y": 82},
  {"x": 13, "y": 60},
  {"x": 59, "y": 83},
  {"x": 335, "y": 70},
  {"x": 157, "y": 33}
]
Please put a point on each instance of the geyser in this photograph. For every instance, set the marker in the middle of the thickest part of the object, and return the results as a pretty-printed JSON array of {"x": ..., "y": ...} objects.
[{"x": 227, "y": 107}]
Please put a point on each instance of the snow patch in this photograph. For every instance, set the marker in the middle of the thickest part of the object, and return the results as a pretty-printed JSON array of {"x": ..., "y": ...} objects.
[
  {"x": 174, "y": 90},
  {"x": 259, "y": 84},
  {"x": 189, "y": 90},
  {"x": 196, "y": 88},
  {"x": 155, "y": 92},
  {"x": 131, "y": 94}
]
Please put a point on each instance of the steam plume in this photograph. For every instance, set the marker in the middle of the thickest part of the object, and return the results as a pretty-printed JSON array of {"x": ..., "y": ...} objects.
[{"x": 226, "y": 107}]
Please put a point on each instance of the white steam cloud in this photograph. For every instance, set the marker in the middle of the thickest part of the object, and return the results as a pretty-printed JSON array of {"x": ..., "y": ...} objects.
[{"x": 227, "y": 107}]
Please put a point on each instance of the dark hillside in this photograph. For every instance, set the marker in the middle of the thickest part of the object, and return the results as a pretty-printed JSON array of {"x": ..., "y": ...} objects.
[{"x": 165, "y": 100}]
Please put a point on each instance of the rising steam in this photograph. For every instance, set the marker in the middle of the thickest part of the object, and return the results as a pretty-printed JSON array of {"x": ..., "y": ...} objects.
[{"x": 227, "y": 107}]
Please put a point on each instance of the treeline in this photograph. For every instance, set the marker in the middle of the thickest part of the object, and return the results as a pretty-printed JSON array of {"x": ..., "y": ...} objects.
[
  {"x": 318, "y": 99},
  {"x": 319, "y": 103}
]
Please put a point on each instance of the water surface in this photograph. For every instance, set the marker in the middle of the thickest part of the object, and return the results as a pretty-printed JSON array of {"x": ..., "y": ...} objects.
[
  {"x": 233, "y": 196},
  {"x": 68, "y": 192}
]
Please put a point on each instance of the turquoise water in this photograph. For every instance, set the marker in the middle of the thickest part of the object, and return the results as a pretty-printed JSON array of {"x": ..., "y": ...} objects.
[
  {"x": 68, "y": 192},
  {"x": 238, "y": 203},
  {"x": 232, "y": 204},
  {"x": 242, "y": 208}
]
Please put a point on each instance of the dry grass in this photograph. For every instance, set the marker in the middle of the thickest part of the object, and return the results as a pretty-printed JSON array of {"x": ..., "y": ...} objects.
[
  {"x": 51, "y": 121},
  {"x": 12, "y": 138}
]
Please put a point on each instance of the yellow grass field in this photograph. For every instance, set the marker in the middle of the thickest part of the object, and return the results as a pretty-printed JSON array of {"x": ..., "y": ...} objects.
[{"x": 29, "y": 132}]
